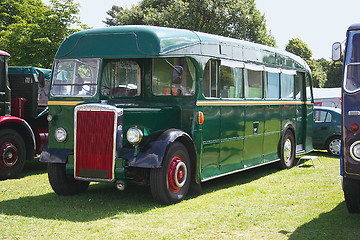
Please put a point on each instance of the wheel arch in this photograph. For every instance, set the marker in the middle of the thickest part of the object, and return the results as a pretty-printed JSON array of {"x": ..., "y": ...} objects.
[
  {"x": 151, "y": 155},
  {"x": 24, "y": 130}
]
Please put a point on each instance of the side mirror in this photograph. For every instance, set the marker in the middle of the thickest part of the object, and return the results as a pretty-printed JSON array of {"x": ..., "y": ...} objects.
[
  {"x": 336, "y": 51},
  {"x": 41, "y": 79},
  {"x": 177, "y": 74}
]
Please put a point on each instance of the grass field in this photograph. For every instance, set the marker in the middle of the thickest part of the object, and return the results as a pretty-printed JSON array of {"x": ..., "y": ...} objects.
[{"x": 263, "y": 203}]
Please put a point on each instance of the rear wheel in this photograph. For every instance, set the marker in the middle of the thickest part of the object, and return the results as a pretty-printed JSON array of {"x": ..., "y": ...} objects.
[
  {"x": 62, "y": 183},
  {"x": 287, "y": 150},
  {"x": 170, "y": 183},
  {"x": 333, "y": 145},
  {"x": 12, "y": 154},
  {"x": 351, "y": 188}
]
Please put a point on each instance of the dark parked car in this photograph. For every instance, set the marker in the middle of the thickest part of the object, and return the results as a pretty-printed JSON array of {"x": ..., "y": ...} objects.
[{"x": 327, "y": 129}]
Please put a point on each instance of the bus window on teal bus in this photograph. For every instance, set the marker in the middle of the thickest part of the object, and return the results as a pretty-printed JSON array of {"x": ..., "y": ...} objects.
[
  {"x": 272, "y": 84},
  {"x": 231, "y": 79},
  {"x": 253, "y": 82},
  {"x": 299, "y": 85},
  {"x": 287, "y": 79},
  {"x": 121, "y": 78},
  {"x": 173, "y": 77},
  {"x": 210, "y": 79}
]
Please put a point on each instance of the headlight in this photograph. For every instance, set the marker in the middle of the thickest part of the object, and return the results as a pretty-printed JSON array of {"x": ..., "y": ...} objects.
[
  {"x": 49, "y": 118},
  {"x": 60, "y": 134},
  {"x": 134, "y": 135},
  {"x": 355, "y": 150}
]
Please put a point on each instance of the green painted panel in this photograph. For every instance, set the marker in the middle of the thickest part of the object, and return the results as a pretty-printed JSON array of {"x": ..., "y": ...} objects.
[
  {"x": 272, "y": 132},
  {"x": 232, "y": 138},
  {"x": 211, "y": 142},
  {"x": 254, "y": 135}
]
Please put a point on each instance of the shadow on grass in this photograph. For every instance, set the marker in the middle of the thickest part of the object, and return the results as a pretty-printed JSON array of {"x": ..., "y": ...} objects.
[
  {"x": 239, "y": 178},
  {"x": 103, "y": 200},
  {"x": 100, "y": 201},
  {"x": 336, "y": 224}
]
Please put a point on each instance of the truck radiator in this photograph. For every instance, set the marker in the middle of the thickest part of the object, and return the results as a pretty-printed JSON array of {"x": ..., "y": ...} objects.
[{"x": 95, "y": 141}]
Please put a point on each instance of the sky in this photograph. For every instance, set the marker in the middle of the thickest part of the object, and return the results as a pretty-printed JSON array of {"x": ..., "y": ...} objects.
[{"x": 319, "y": 23}]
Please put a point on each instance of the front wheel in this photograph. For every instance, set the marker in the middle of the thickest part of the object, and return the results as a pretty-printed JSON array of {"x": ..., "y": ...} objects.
[
  {"x": 333, "y": 145},
  {"x": 170, "y": 183},
  {"x": 12, "y": 154},
  {"x": 351, "y": 188},
  {"x": 62, "y": 183},
  {"x": 287, "y": 150}
]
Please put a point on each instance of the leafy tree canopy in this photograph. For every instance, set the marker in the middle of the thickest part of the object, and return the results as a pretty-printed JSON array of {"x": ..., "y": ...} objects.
[
  {"x": 231, "y": 18},
  {"x": 32, "y": 31},
  {"x": 300, "y": 48}
]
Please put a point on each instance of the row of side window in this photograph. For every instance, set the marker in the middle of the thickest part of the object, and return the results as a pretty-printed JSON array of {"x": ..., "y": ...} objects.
[{"x": 227, "y": 79}]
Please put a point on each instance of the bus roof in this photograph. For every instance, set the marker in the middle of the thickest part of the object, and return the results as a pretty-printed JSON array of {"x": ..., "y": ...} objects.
[
  {"x": 137, "y": 41},
  {"x": 3, "y": 53},
  {"x": 355, "y": 26}
]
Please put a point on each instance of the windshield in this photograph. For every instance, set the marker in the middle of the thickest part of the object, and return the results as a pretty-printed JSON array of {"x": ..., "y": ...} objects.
[
  {"x": 352, "y": 63},
  {"x": 75, "y": 77}
]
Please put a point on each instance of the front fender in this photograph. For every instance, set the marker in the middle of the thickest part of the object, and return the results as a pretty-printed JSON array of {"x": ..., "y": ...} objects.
[
  {"x": 152, "y": 154},
  {"x": 55, "y": 155}
]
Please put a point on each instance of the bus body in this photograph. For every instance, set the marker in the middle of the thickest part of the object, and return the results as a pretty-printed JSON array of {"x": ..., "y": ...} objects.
[
  {"x": 171, "y": 108},
  {"x": 350, "y": 155},
  {"x": 23, "y": 130}
]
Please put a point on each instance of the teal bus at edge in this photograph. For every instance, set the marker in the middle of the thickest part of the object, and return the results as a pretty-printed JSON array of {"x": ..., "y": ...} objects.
[{"x": 171, "y": 108}]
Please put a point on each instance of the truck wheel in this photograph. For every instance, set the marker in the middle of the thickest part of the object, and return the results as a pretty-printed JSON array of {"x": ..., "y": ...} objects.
[
  {"x": 62, "y": 183},
  {"x": 12, "y": 154},
  {"x": 287, "y": 150},
  {"x": 351, "y": 188},
  {"x": 170, "y": 183}
]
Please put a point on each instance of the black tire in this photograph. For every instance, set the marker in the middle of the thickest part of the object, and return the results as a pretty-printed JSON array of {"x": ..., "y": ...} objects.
[
  {"x": 64, "y": 184},
  {"x": 12, "y": 154},
  {"x": 351, "y": 188},
  {"x": 170, "y": 183},
  {"x": 287, "y": 150},
  {"x": 333, "y": 145}
]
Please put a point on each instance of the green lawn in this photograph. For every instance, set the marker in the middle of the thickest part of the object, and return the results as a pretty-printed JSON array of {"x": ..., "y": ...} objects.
[{"x": 263, "y": 203}]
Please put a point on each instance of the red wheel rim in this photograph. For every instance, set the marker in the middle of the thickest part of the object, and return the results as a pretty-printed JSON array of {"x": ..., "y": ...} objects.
[
  {"x": 9, "y": 155},
  {"x": 177, "y": 174}
]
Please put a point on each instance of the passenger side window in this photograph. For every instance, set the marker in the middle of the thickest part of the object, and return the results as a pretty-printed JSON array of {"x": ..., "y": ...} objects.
[
  {"x": 173, "y": 77},
  {"x": 210, "y": 79},
  {"x": 272, "y": 85},
  {"x": 287, "y": 84},
  {"x": 253, "y": 82},
  {"x": 231, "y": 79}
]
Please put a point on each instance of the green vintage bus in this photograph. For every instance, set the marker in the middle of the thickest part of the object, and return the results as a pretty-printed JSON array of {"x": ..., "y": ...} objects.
[{"x": 171, "y": 108}]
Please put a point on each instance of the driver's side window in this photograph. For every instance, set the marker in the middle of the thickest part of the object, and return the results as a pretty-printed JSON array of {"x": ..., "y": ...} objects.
[{"x": 121, "y": 78}]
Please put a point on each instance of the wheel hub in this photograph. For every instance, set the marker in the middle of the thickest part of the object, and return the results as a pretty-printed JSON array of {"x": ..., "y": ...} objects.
[
  {"x": 177, "y": 174},
  {"x": 9, "y": 154},
  {"x": 287, "y": 150}
]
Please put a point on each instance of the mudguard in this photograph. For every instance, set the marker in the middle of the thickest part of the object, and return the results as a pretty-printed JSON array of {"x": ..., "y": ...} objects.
[
  {"x": 55, "y": 155},
  {"x": 21, "y": 125},
  {"x": 151, "y": 155}
]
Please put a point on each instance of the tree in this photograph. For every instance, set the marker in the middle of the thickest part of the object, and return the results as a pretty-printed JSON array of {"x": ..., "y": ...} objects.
[
  {"x": 31, "y": 31},
  {"x": 333, "y": 72},
  {"x": 231, "y": 18},
  {"x": 300, "y": 48}
]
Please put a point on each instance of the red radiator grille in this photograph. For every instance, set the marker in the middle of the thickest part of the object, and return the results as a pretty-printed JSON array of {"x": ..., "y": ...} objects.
[{"x": 94, "y": 156}]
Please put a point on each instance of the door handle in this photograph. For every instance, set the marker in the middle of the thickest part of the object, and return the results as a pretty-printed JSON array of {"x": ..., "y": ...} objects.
[{"x": 256, "y": 127}]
